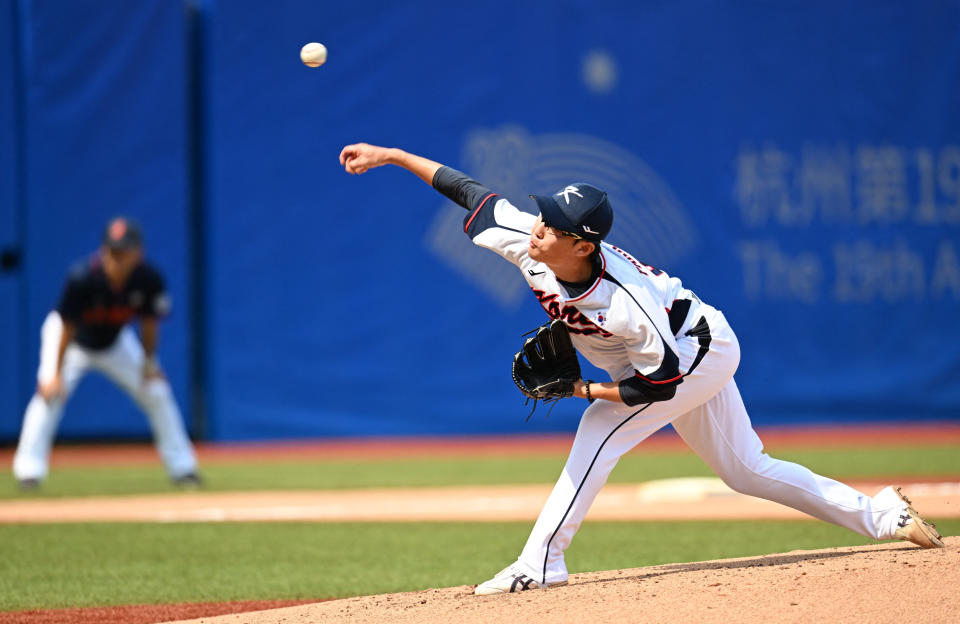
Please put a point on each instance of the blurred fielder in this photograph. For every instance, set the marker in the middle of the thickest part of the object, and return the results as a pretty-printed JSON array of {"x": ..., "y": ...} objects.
[
  {"x": 670, "y": 356},
  {"x": 89, "y": 331}
]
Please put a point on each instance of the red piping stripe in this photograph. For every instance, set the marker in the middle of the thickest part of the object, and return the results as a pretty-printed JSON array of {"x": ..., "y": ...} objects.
[
  {"x": 477, "y": 211},
  {"x": 665, "y": 381},
  {"x": 603, "y": 269}
]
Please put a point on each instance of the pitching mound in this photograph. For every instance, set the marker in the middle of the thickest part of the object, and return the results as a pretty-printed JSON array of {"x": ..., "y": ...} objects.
[{"x": 893, "y": 582}]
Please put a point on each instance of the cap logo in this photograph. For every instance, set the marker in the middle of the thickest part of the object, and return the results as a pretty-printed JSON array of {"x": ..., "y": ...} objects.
[
  {"x": 570, "y": 190},
  {"x": 117, "y": 229},
  {"x": 586, "y": 228}
]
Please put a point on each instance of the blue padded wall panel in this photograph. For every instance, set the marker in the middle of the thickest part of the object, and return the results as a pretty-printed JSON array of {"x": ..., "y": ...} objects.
[
  {"x": 797, "y": 166},
  {"x": 10, "y": 343}
]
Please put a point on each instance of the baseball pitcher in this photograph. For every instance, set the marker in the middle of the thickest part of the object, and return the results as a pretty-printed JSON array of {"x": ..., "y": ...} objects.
[{"x": 670, "y": 357}]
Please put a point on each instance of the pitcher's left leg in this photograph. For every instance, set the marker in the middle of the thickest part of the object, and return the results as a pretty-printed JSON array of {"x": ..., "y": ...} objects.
[
  {"x": 607, "y": 430},
  {"x": 720, "y": 432}
]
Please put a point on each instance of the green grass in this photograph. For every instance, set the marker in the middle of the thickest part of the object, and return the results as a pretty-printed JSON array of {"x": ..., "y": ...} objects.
[
  {"x": 52, "y": 566},
  {"x": 635, "y": 467},
  {"x": 879, "y": 461}
]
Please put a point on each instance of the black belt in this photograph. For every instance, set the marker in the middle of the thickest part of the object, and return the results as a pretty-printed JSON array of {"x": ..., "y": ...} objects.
[{"x": 702, "y": 332}]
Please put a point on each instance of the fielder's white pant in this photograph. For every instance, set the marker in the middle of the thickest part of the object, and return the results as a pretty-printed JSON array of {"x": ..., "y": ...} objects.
[
  {"x": 709, "y": 415},
  {"x": 122, "y": 362}
]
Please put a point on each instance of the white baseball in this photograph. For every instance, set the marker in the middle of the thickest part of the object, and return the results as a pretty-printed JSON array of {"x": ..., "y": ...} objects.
[{"x": 313, "y": 54}]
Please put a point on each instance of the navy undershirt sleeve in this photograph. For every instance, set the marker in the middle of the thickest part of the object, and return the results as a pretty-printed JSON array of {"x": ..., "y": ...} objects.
[
  {"x": 635, "y": 391},
  {"x": 460, "y": 188}
]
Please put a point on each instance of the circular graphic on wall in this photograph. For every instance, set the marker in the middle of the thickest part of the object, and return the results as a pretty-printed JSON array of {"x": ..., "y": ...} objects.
[{"x": 649, "y": 220}]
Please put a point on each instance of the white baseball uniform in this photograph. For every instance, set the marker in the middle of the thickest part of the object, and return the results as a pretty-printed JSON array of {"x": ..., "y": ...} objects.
[{"x": 635, "y": 321}]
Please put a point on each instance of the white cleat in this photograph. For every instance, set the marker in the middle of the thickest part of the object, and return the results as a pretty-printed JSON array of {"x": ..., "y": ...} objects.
[{"x": 511, "y": 580}]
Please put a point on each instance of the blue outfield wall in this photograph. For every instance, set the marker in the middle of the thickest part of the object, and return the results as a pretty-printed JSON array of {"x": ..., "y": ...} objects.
[
  {"x": 797, "y": 165},
  {"x": 10, "y": 344}
]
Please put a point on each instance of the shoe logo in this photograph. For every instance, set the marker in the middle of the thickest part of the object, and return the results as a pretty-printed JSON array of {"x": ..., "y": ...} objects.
[
  {"x": 586, "y": 228},
  {"x": 535, "y": 273},
  {"x": 570, "y": 190},
  {"x": 522, "y": 581}
]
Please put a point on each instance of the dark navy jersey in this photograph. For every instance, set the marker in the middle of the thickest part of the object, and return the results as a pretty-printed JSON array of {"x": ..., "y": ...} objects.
[{"x": 99, "y": 312}]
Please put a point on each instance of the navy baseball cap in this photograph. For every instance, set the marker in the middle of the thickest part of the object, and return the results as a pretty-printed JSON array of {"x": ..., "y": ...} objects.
[
  {"x": 579, "y": 209},
  {"x": 122, "y": 233}
]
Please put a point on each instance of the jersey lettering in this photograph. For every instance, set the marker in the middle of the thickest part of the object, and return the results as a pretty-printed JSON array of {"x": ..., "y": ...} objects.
[
  {"x": 646, "y": 269},
  {"x": 576, "y": 321},
  {"x": 114, "y": 315}
]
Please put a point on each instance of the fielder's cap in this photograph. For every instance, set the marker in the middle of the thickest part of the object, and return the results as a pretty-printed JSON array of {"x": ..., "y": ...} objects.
[
  {"x": 579, "y": 209},
  {"x": 122, "y": 233}
]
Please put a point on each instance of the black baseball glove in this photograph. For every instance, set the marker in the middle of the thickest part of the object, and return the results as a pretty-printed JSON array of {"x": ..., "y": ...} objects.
[{"x": 547, "y": 365}]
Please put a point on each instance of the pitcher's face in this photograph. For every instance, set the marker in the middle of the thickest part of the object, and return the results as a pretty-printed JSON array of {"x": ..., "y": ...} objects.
[{"x": 550, "y": 245}]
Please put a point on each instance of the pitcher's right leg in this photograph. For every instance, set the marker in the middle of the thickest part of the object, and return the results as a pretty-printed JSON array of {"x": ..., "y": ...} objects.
[
  {"x": 721, "y": 434},
  {"x": 607, "y": 430}
]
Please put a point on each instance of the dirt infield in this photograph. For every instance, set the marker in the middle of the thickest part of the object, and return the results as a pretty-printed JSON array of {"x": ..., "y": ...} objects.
[
  {"x": 882, "y": 583},
  {"x": 893, "y": 583}
]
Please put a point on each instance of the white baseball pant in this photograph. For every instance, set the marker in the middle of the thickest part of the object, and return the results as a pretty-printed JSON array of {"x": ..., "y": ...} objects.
[
  {"x": 122, "y": 362},
  {"x": 709, "y": 415}
]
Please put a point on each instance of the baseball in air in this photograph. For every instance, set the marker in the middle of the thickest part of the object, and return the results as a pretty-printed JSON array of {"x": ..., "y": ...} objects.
[{"x": 313, "y": 54}]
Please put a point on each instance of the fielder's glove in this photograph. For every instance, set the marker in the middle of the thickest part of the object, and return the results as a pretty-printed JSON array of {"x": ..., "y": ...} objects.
[{"x": 546, "y": 368}]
